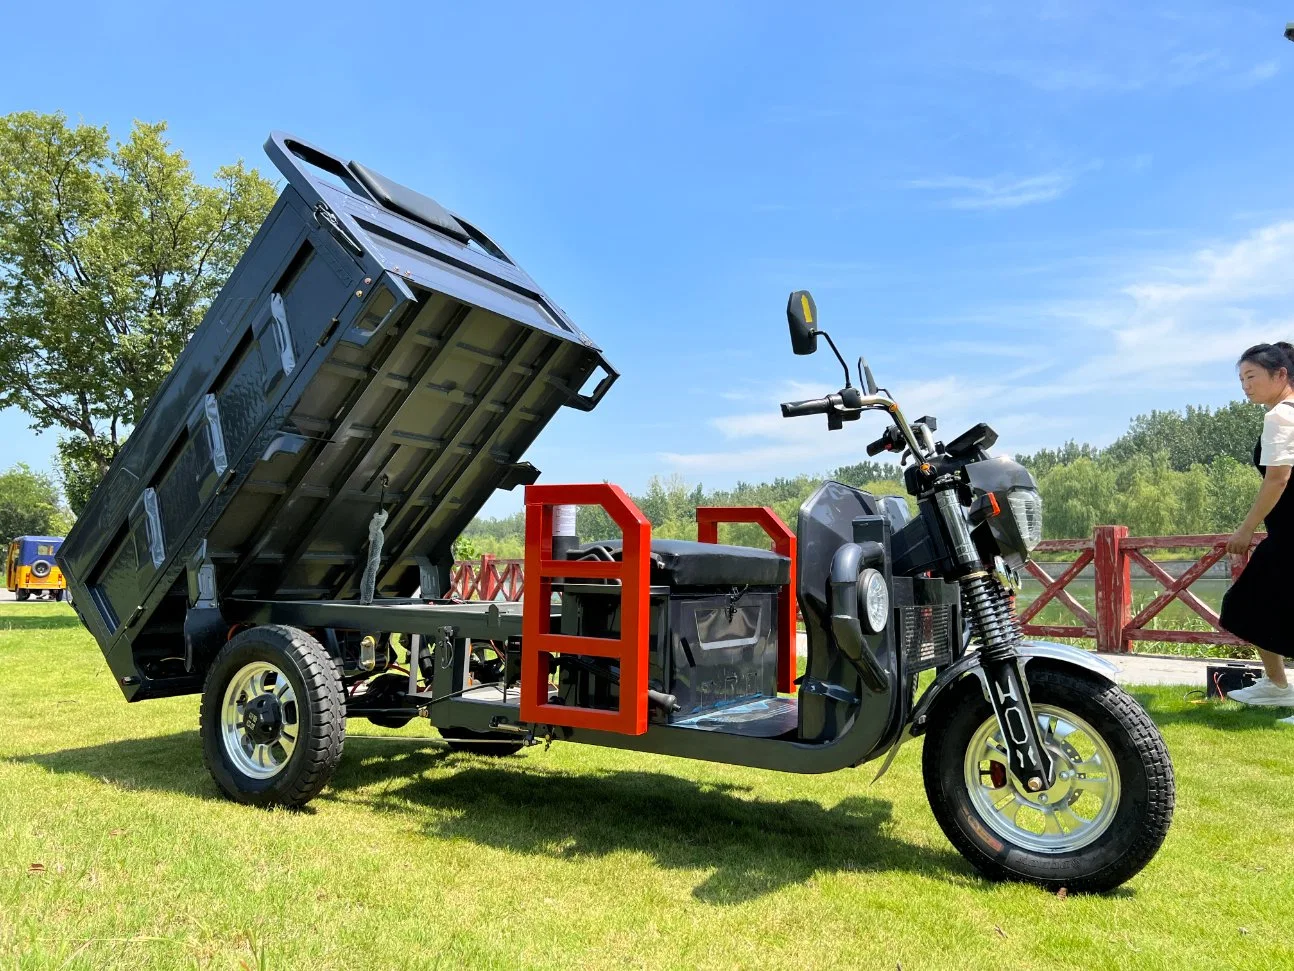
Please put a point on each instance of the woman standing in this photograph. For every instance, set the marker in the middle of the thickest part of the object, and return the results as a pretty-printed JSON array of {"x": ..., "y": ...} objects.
[{"x": 1256, "y": 608}]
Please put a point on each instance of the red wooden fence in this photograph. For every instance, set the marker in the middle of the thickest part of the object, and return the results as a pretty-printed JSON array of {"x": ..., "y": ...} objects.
[
  {"x": 1111, "y": 552},
  {"x": 488, "y": 579}
]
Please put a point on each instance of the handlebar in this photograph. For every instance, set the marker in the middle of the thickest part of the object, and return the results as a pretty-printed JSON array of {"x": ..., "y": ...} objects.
[
  {"x": 890, "y": 440},
  {"x": 848, "y": 404},
  {"x": 812, "y": 406}
]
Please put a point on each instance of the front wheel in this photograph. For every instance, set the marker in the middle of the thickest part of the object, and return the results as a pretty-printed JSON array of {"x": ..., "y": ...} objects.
[{"x": 1104, "y": 818}]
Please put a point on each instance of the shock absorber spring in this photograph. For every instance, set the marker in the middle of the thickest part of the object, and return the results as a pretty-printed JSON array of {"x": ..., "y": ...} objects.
[{"x": 992, "y": 620}]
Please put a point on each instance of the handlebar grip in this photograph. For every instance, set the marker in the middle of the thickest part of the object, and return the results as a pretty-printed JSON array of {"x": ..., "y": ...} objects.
[
  {"x": 813, "y": 406},
  {"x": 877, "y": 447}
]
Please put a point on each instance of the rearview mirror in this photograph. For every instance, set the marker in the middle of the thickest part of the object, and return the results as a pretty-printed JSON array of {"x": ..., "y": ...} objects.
[
  {"x": 802, "y": 315},
  {"x": 865, "y": 376}
]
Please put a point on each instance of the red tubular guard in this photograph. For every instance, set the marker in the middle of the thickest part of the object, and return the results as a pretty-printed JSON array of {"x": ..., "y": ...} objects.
[
  {"x": 708, "y": 519},
  {"x": 539, "y": 643}
]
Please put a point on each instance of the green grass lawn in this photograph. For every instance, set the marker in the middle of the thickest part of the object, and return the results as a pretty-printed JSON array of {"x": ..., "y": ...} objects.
[{"x": 115, "y": 852}]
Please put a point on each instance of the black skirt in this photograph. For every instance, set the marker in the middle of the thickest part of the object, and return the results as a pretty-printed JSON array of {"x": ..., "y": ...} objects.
[{"x": 1257, "y": 606}]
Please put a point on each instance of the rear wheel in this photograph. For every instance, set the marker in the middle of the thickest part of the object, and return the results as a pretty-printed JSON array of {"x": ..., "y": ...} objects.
[
  {"x": 273, "y": 718},
  {"x": 23, "y": 594},
  {"x": 1104, "y": 818}
]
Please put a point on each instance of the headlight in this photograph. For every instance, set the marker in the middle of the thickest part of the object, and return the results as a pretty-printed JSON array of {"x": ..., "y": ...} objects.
[
  {"x": 876, "y": 600},
  {"x": 1026, "y": 509}
]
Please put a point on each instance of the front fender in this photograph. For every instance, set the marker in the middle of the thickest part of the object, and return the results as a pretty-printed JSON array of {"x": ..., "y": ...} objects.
[{"x": 1028, "y": 650}]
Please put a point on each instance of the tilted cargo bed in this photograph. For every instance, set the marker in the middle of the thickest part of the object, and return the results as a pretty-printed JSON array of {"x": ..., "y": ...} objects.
[{"x": 370, "y": 350}]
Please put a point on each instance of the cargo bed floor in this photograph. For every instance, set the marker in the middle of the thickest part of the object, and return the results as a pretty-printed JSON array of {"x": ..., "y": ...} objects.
[{"x": 762, "y": 718}]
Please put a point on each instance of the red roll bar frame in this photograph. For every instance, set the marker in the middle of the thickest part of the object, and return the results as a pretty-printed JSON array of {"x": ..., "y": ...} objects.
[
  {"x": 708, "y": 519},
  {"x": 539, "y": 643}
]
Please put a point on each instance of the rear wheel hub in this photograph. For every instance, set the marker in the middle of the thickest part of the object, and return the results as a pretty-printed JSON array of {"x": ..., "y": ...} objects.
[
  {"x": 263, "y": 719},
  {"x": 260, "y": 720}
]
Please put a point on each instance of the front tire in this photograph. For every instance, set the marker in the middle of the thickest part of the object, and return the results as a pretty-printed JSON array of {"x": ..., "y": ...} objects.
[
  {"x": 273, "y": 717},
  {"x": 1103, "y": 820}
]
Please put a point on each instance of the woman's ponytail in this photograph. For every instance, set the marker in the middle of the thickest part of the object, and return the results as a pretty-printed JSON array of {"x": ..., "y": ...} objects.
[{"x": 1288, "y": 348}]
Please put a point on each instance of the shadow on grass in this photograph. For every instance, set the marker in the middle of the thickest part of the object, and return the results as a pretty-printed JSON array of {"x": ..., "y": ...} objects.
[
  {"x": 752, "y": 846},
  {"x": 164, "y": 763},
  {"x": 1170, "y": 707}
]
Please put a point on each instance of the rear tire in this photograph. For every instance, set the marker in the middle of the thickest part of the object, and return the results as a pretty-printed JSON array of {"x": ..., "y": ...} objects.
[
  {"x": 23, "y": 595},
  {"x": 273, "y": 717},
  {"x": 1091, "y": 831}
]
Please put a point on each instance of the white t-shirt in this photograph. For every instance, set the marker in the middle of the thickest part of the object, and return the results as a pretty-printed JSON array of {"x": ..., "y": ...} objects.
[{"x": 1278, "y": 435}]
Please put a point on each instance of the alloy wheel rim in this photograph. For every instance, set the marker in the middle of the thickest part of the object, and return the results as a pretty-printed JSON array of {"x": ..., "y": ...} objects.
[
  {"x": 1073, "y": 813},
  {"x": 259, "y": 720}
]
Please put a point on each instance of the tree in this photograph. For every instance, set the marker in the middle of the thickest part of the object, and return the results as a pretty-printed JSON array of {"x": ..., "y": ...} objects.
[
  {"x": 1231, "y": 491},
  {"x": 1197, "y": 436},
  {"x": 1046, "y": 459},
  {"x": 82, "y": 463},
  {"x": 1076, "y": 497},
  {"x": 109, "y": 256},
  {"x": 29, "y": 505},
  {"x": 862, "y": 472}
]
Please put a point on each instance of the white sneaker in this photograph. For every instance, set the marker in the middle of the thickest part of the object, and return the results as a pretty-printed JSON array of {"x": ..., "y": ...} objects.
[{"x": 1264, "y": 693}]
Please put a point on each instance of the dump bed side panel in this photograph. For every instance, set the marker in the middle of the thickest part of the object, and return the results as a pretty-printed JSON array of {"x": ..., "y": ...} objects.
[
  {"x": 229, "y": 377},
  {"x": 354, "y": 361}
]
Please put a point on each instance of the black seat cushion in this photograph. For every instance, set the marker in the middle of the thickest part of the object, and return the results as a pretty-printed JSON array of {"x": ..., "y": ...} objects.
[{"x": 683, "y": 563}]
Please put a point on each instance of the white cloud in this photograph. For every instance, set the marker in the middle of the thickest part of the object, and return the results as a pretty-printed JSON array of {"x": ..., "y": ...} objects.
[
  {"x": 1135, "y": 72},
  {"x": 1184, "y": 319},
  {"x": 997, "y": 192},
  {"x": 1261, "y": 72},
  {"x": 1170, "y": 325}
]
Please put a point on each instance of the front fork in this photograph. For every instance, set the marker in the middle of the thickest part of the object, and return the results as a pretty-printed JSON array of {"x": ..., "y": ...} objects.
[{"x": 994, "y": 626}]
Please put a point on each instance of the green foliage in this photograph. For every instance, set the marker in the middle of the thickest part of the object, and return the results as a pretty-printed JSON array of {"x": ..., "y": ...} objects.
[
  {"x": 29, "y": 505},
  {"x": 109, "y": 256},
  {"x": 466, "y": 549},
  {"x": 1232, "y": 486},
  {"x": 1044, "y": 460},
  {"x": 1171, "y": 474},
  {"x": 1145, "y": 494},
  {"x": 671, "y": 506},
  {"x": 81, "y": 465},
  {"x": 1197, "y": 436},
  {"x": 862, "y": 472}
]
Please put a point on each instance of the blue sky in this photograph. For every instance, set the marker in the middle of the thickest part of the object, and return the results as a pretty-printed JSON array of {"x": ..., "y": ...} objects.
[{"x": 1050, "y": 218}]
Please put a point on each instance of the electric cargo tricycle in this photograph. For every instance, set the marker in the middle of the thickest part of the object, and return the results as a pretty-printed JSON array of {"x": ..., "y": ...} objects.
[
  {"x": 276, "y": 535},
  {"x": 30, "y": 570}
]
